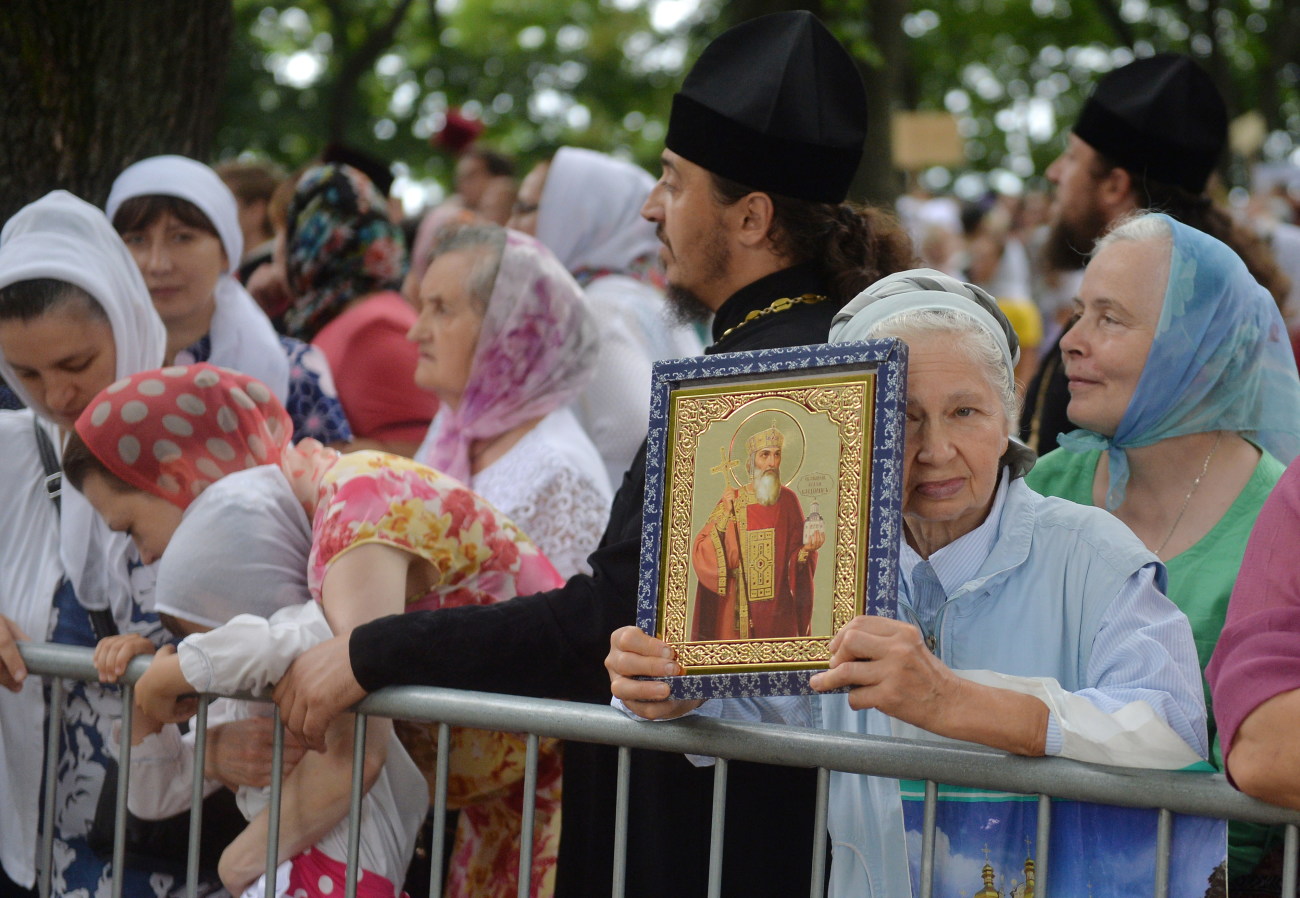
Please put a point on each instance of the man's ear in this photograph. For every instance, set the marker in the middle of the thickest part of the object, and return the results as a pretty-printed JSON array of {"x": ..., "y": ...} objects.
[
  {"x": 1117, "y": 192},
  {"x": 754, "y": 215}
]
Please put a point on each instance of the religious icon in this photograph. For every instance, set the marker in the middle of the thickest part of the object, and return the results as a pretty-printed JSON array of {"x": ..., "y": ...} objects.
[{"x": 771, "y": 509}]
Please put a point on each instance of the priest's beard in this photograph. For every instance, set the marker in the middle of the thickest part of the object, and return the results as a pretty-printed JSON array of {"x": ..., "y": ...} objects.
[
  {"x": 767, "y": 486},
  {"x": 685, "y": 307},
  {"x": 1070, "y": 241},
  {"x": 711, "y": 259}
]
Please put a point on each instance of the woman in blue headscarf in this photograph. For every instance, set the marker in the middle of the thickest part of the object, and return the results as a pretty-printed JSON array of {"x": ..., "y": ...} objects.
[{"x": 1184, "y": 386}]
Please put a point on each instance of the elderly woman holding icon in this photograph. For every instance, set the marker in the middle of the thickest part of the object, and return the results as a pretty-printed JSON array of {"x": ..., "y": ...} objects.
[{"x": 1031, "y": 625}]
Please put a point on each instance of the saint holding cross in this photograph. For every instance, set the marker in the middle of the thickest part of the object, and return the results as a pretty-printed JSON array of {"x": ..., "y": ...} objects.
[{"x": 755, "y": 571}]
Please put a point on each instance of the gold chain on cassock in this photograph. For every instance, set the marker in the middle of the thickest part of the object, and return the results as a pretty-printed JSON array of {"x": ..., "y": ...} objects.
[{"x": 781, "y": 305}]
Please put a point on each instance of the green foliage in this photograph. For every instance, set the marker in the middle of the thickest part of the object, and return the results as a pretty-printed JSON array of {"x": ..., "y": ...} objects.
[
  {"x": 538, "y": 73},
  {"x": 543, "y": 73}
]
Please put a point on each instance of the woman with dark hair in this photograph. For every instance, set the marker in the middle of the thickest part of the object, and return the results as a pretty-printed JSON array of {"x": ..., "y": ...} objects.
[
  {"x": 181, "y": 225},
  {"x": 344, "y": 261},
  {"x": 75, "y": 315},
  {"x": 380, "y": 535}
]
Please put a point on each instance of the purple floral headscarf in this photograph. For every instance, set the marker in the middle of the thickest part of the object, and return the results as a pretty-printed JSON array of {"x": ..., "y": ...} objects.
[
  {"x": 535, "y": 352},
  {"x": 339, "y": 245}
]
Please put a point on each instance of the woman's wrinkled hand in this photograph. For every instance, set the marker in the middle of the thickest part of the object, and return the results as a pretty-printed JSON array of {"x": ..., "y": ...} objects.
[
  {"x": 887, "y": 666},
  {"x": 632, "y": 654}
]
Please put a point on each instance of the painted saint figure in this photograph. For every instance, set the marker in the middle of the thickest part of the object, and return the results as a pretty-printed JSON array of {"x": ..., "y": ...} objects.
[{"x": 754, "y": 565}]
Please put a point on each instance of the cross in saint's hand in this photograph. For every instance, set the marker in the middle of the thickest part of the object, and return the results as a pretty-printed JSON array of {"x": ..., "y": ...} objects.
[{"x": 724, "y": 467}]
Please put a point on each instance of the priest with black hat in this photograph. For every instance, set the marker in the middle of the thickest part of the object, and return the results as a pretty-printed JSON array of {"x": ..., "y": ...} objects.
[
  {"x": 763, "y": 142},
  {"x": 1149, "y": 137}
]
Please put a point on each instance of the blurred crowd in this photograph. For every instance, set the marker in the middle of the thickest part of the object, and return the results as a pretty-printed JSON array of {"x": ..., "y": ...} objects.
[{"x": 311, "y": 446}]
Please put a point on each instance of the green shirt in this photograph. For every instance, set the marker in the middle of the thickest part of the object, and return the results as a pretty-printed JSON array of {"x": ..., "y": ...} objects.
[
  {"x": 1200, "y": 583},
  {"x": 1200, "y": 578}
]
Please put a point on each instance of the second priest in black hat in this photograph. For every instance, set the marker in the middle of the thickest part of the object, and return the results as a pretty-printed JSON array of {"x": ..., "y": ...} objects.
[
  {"x": 1149, "y": 136},
  {"x": 762, "y": 146}
]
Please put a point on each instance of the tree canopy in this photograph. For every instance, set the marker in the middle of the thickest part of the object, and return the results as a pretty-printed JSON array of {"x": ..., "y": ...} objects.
[{"x": 381, "y": 74}]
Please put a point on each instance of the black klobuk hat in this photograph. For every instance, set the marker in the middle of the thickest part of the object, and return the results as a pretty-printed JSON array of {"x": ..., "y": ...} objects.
[
  {"x": 1161, "y": 117},
  {"x": 777, "y": 104}
]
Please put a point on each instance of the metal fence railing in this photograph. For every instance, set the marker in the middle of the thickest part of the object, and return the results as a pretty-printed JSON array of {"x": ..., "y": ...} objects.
[{"x": 1206, "y": 795}]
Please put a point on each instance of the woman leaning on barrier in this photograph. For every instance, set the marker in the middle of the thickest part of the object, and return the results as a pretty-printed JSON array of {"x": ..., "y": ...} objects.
[
  {"x": 75, "y": 315},
  {"x": 1027, "y": 624},
  {"x": 384, "y": 535},
  {"x": 1184, "y": 388},
  {"x": 1255, "y": 672}
]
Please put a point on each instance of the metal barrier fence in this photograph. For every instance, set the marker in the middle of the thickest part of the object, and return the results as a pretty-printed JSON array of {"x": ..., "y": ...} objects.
[{"x": 1206, "y": 795}]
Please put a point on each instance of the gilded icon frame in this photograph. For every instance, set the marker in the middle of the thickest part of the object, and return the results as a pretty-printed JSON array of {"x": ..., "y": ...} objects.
[{"x": 749, "y": 600}]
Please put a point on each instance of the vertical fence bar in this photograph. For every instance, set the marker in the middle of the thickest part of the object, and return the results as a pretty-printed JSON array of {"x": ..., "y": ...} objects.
[
  {"x": 1290, "y": 851},
  {"x": 53, "y": 730},
  {"x": 817, "y": 888},
  {"x": 354, "y": 806},
  {"x": 620, "y": 821},
  {"x": 1164, "y": 838},
  {"x": 273, "y": 806},
  {"x": 123, "y": 781},
  {"x": 530, "y": 817},
  {"x": 196, "y": 799},
  {"x": 1042, "y": 845},
  {"x": 718, "y": 827},
  {"x": 439, "y": 840},
  {"x": 927, "y": 838}
]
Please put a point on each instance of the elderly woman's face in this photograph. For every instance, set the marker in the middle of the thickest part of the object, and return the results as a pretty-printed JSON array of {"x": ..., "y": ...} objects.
[
  {"x": 1119, "y": 306},
  {"x": 956, "y": 433},
  {"x": 447, "y": 327}
]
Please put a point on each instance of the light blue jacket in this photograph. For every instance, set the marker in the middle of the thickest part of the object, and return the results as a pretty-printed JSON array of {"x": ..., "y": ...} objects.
[{"x": 1034, "y": 610}]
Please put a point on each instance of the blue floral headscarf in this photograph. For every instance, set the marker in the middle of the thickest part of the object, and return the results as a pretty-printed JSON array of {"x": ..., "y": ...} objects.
[
  {"x": 1220, "y": 360},
  {"x": 339, "y": 245}
]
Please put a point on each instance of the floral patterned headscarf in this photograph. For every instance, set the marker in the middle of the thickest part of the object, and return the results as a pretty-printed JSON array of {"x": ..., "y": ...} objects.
[
  {"x": 339, "y": 245},
  {"x": 535, "y": 352},
  {"x": 173, "y": 432}
]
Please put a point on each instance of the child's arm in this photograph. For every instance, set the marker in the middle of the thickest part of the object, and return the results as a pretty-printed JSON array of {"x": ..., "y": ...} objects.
[
  {"x": 315, "y": 799},
  {"x": 114, "y": 653},
  {"x": 163, "y": 693},
  {"x": 162, "y": 768}
]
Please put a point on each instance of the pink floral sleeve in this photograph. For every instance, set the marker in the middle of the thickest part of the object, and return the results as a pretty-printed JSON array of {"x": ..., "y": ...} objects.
[{"x": 479, "y": 555}]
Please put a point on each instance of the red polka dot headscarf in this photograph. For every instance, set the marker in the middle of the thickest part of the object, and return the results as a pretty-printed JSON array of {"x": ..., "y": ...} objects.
[{"x": 174, "y": 431}]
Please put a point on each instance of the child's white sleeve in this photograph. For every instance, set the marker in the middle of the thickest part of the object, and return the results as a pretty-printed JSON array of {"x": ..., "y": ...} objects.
[
  {"x": 248, "y": 654},
  {"x": 162, "y": 768}
]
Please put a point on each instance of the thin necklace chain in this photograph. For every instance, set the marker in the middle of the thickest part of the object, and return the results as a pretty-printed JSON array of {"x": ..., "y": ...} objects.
[
  {"x": 783, "y": 304},
  {"x": 1188, "y": 498}
]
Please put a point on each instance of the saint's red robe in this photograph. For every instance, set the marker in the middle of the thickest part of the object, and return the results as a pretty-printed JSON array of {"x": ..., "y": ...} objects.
[{"x": 780, "y": 587}]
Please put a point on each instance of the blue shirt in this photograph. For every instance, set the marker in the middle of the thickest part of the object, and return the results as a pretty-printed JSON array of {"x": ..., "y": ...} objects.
[{"x": 313, "y": 403}]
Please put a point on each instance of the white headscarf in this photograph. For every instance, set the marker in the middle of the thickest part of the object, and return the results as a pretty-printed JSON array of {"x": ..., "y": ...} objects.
[
  {"x": 590, "y": 211},
  {"x": 65, "y": 238},
  {"x": 68, "y": 239},
  {"x": 241, "y": 548},
  {"x": 925, "y": 288},
  {"x": 241, "y": 334}
]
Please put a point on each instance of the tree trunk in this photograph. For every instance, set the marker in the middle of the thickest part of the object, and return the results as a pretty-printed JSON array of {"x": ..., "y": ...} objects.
[
  {"x": 877, "y": 181},
  {"x": 91, "y": 87}
]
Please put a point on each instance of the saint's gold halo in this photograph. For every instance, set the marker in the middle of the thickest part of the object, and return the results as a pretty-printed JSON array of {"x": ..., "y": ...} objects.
[{"x": 768, "y": 413}]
